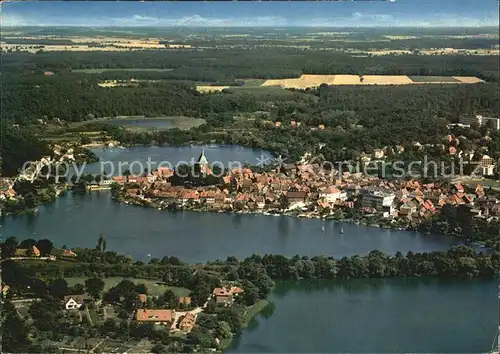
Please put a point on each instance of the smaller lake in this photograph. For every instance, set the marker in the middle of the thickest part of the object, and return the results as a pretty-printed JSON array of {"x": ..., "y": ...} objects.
[
  {"x": 136, "y": 158},
  {"x": 375, "y": 316}
]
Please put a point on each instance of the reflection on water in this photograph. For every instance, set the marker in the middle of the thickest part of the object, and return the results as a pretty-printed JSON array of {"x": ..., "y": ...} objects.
[
  {"x": 379, "y": 315},
  {"x": 77, "y": 220}
]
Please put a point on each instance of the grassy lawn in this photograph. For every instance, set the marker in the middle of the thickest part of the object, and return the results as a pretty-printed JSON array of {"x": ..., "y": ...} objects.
[
  {"x": 253, "y": 310},
  {"x": 433, "y": 79},
  {"x": 253, "y": 82},
  {"x": 94, "y": 316},
  {"x": 181, "y": 122},
  {"x": 99, "y": 71},
  {"x": 226, "y": 342},
  {"x": 153, "y": 289}
]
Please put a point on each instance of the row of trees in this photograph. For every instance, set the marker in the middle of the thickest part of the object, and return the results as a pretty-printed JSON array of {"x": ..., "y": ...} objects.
[{"x": 458, "y": 262}]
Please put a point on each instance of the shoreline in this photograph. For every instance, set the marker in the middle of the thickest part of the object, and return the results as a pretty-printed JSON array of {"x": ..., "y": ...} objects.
[
  {"x": 251, "y": 313},
  {"x": 274, "y": 212},
  {"x": 365, "y": 222},
  {"x": 286, "y": 213}
]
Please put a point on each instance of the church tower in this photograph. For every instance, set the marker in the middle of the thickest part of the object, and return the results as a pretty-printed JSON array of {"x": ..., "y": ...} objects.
[
  {"x": 202, "y": 160},
  {"x": 203, "y": 164}
]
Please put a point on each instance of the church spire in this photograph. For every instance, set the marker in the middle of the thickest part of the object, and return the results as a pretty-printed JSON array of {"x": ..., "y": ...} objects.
[{"x": 202, "y": 159}]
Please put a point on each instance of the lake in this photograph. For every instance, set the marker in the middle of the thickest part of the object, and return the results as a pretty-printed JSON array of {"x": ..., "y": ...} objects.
[
  {"x": 375, "y": 316},
  {"x": 77, "y": 220}
]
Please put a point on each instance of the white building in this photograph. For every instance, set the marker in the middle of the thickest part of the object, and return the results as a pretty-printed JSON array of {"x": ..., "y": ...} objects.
[
  {"x": 332, "y": 194},
  {"x": 487, "y": 166},
  {"x": 73, "y": 302},
  {"x": 378, "y": 199},
  {"x": 378, "y": 153},
  {"x": 482, "y": 121}
]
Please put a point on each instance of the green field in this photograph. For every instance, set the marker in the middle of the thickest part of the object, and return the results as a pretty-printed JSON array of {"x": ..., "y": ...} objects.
[
  {"x": 433, "y": 79},
  {"x": 100, "y": 71},
  {"x": 153, "y": 288},
  {"x": 134, "y": 123},
  {"x": 252, "y": 82}
]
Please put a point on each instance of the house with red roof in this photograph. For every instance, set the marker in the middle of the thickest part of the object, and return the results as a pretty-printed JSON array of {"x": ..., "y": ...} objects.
[{"x": 159, "y": 317}]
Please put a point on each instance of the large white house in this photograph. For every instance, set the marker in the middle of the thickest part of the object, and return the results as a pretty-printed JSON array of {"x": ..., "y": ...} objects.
[
  {"x": 73, "y": 302},
  {"x": 332, "y": 194}
]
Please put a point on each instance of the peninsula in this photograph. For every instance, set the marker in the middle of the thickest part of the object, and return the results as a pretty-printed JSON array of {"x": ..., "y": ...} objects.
[{"x": 306, "y": 190}]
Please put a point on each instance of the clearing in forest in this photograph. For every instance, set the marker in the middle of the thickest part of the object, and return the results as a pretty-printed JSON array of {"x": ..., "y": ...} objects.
[
  {"x": 306, "y": 81},
  {"x": 433, "y": 79},
  {"x": 100, "y": 71},
  {"x": 205, "y": 89},
  {"x": 468, "y": 79}
]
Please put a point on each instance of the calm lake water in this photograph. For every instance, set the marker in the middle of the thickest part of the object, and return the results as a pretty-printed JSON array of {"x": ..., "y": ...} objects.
[
  {"x": 77, "y": 220},
  {"x": 356, "y": 316},
  {"x": 375, "y": 316}
]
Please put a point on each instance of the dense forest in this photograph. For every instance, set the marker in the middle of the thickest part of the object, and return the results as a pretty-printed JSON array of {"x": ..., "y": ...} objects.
[
  {"x": 268, "y": 63},
  {"x": 19, "y": 145},
  {"x": 358, "y": 118}
]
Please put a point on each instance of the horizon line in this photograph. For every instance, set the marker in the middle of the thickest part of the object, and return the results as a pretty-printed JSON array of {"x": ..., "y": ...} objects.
[{"x": 250, "y": 26}]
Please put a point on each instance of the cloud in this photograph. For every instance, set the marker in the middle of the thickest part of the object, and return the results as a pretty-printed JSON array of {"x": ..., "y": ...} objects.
[
  {"x": 355, "y": 19},
  {"x": 196, "y": 21},
  {"x": 16, "y": 20},
  {"x": 358, "y": 16}
]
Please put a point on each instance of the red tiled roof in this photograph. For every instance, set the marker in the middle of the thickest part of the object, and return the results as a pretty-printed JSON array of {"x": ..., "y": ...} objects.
[
  {"x": 242, "y": 197},
  {"x": 185, "y": 300},
  {"x": 154, "y": 315},
  {"x": 221, "y": 292},
  {"x": 187, "y": 194},
  {"x": 165, "y": 171},
  {"x": 69, "y": 253},
  {"x": 330, "y": 190},
  {"x": 236, "y": 290}
]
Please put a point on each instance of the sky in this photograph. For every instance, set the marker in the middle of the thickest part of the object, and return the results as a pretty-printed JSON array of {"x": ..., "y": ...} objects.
[{"x": 428, "y": 13}]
